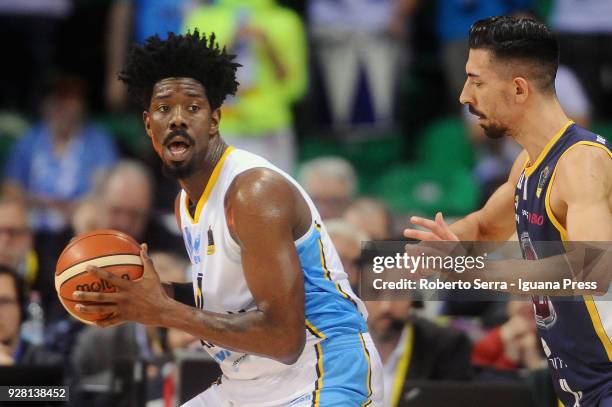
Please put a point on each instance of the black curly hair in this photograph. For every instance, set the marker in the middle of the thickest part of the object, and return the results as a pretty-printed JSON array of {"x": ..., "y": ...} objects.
[{"x": 180, "y": 56}]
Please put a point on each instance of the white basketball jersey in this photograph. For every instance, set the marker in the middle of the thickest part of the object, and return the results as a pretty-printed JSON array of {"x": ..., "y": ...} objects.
[{"x": 331, "y": 308}]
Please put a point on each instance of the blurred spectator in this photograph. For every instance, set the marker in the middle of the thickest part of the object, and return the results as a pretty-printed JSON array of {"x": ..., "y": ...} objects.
[
  {"x": 347, "y": 240},
  {"x": 572, "y": 96},
  {"x": 497, "y": 156},
  {"x": 135, "y": 20},
  {"x": 54, "y": 164},
  {"x": 170, "y": 267},
  {"x": 413, "y": 348},
  {"x": 32, "y": 27},
  {"x": 454, "y": 19},
  {"x": 123, "y": 202},
  {"x": 331, "y": 182},
  {"x": 585, "y": 35},
  {"x": 126, "y": 342},
  {"x": 372, "y": 216},
  {"x": 15, "y": 350},
  {"x": 270, "y": 44},
  {"x": 16, "y": 243},
  {"x": 351, "y": 38},
  {"x": 512, "y": 345}
]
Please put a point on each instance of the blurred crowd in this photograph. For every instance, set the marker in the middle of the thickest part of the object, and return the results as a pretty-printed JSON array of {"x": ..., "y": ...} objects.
[{"x": 356, "y": 98}]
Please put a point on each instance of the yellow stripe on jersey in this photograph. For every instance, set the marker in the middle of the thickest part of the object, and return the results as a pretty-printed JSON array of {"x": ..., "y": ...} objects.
[
  {"x": 369, "y": 380},
  {"x": 598, "y": 326},
  {"x": 401, "y": 372},
  {"x": 316, "y": 396},
  {"x": 326, "y": 272},
  {"x": 314, "y": 330},
  {"x": 549, "y": 212},
  {"x": 530, "y": 169},
  {"x": 209, "y": 187},
  {"x": 588, "y": 300}
]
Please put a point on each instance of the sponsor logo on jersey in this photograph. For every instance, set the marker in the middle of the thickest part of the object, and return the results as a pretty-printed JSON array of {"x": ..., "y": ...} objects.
[
  {"x": 211, "y": 242},
  {"x": 300, "y": 400},
  {"x": 600, "y": 139},
  {"x": 544, "y": 310},
  {"x": 543, "y": 177},
  {"x": 193, "y": 247},
  {"x": 527, "y": 247},
  {"x": 533, "y": 218}
]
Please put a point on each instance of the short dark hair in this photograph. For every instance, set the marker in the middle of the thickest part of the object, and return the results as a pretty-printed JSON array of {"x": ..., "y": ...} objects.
[
  {"x": 180, "y": 56},
  {"x": 519, "y": 39},
  {"x": 19, "y": 285}
]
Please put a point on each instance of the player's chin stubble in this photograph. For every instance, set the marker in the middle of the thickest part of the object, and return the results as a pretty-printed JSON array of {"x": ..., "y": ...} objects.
[
  {"x": 495, "y": 131},
  {"x": 178, "y": 171}
]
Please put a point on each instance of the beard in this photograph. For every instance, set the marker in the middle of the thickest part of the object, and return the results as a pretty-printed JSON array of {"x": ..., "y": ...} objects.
[
  {"x": 183, "y": 169},
  {"x": 180, "y": 170},
  {"x": 393, "y": 330},
  {"x": 492, "y": 131},
  {"x": 495, "y": 131}
]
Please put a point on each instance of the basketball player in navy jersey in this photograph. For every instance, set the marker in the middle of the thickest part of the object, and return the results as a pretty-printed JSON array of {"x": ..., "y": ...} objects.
[
  {"x": 559, "y": 189},
  {"x": 269, "y": 298}
]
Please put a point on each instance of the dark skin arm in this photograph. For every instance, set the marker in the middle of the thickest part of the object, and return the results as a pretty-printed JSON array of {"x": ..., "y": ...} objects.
[{"x": 266, "y": 214}]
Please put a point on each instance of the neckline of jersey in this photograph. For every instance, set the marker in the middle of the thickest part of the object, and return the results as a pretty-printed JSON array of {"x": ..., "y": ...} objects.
[
  {"x": 214, "y": 176},
  {"x": 530, "y": 168}
]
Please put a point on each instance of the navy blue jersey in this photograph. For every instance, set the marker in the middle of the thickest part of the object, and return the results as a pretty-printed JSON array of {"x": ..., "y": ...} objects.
[{"x": 575, "y": 332}]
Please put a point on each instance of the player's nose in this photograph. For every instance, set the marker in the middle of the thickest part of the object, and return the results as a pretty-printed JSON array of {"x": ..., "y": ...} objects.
[
  {"x": 178, "y": 119},
  {"x": 464, "y": 97}
]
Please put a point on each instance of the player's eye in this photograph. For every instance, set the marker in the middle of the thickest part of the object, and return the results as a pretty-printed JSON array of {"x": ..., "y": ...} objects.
[
  {"x": 193, "y": 108},
  {"x": 478, "y": 84},
  {"x": 163, "y": 108}
]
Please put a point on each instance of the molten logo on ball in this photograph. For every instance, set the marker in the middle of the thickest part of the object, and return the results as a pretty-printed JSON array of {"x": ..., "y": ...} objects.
[{"x": 99, "y": 285}]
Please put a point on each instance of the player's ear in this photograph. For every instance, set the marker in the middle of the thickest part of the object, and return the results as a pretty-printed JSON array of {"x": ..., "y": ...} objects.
[
  {"x": 147, "y": 123},
  {"x": 521, "y": 89},
  {"x": 215, "y": 119}
]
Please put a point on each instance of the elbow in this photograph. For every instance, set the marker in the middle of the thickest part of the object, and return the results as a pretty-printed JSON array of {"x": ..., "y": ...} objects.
[{"x": 290, "y": 350}]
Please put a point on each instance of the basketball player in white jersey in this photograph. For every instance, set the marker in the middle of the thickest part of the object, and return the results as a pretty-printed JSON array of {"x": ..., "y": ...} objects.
[{"x": 273, "y": 305}]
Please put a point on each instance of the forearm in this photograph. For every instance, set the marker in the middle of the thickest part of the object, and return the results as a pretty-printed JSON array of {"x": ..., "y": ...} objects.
[
  {"x": 467, "y": 229},
  {"x": 473, "y": 228},
  {"x": 251, "y": 332}
]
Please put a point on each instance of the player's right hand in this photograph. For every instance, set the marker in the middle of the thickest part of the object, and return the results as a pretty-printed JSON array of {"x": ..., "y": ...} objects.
[{"x": 438, "y": 229}]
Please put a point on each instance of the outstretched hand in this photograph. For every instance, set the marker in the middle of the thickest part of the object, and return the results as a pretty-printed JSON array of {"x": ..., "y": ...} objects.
[
  {"x": 438, "y": 229},
  {"x": 141, "y": 300}
]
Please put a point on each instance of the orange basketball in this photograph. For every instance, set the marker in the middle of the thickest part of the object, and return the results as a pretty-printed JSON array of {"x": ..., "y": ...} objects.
[{"x": 111, "y": 250}]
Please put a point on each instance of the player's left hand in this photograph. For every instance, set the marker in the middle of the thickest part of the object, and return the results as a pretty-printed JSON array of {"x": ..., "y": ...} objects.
[{"x": 141, "y": 300}]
